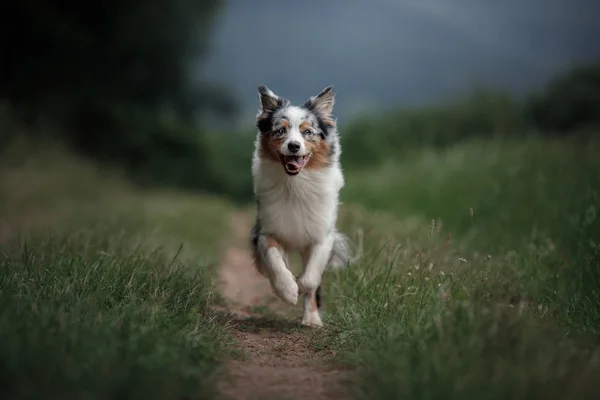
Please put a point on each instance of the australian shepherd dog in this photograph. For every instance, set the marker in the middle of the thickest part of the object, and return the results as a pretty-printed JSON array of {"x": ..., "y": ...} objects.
[{"x": 297, "y": 178}]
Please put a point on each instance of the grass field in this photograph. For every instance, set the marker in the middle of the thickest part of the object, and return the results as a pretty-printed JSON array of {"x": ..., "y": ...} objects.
[
  {"x": 104, "y": 290},
  {"x": 479, "y": 279}
]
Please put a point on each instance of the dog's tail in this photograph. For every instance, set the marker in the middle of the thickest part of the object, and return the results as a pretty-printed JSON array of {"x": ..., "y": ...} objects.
[{"x": 342, "y": 254}]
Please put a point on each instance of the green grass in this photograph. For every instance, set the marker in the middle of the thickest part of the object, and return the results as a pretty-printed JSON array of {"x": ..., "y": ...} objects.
[
  {"x": 480, "y": 278},
  {"x": 105, "y": 290},
  {"x": 499, "y": 302},
  {"x": 494, "y": 194}
]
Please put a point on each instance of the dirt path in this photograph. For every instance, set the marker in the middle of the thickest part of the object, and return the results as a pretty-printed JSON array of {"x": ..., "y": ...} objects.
[{"x": 279, "y": 360}]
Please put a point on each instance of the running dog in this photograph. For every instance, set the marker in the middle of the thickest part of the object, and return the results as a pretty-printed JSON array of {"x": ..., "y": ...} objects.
[{"x": 297, "y": 178}]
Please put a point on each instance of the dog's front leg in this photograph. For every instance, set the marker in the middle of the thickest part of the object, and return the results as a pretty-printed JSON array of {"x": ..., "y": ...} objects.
[
  {"x": 315, "y": 261},
  {"x": 311, "y": 315},
  {"x": 318, "y": 256},
  {"x": 272, "y": 256}
]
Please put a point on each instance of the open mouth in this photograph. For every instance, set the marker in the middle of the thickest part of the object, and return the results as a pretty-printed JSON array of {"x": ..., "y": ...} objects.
[{"x": 293, "y": 164}]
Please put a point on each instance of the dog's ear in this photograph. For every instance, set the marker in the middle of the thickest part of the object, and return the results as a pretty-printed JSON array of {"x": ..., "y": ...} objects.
[
  {"x": 268, "y": 99},
  {"x": 322, "y": 103}
]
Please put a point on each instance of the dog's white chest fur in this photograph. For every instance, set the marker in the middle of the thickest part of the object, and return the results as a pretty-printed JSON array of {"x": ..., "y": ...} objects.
[{"x": 298, "y": 210}]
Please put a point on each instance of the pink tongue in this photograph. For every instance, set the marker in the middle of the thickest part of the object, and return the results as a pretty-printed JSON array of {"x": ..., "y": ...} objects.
[{"x": 296, "y": 161}]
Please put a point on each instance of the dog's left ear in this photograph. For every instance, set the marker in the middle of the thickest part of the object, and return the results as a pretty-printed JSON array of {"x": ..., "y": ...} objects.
[{"x": 322, "y": 103}]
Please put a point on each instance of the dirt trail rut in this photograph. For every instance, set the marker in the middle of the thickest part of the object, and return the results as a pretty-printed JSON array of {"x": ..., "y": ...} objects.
[{"x": 278, "y": 361}]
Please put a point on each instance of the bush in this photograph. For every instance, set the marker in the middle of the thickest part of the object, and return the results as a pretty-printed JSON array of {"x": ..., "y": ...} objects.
[
  {"x": 570, "y": 101},
  {"x": 116, "y": 82}
]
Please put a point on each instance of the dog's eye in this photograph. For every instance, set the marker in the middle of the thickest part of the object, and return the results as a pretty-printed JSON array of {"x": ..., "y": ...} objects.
[
  {"x": 281, "y": 131},
  {"x": 307, "y": 132}
]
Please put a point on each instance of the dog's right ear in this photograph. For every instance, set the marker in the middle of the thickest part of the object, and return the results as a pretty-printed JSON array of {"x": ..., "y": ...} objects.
[{"x": 268, "y": 99}]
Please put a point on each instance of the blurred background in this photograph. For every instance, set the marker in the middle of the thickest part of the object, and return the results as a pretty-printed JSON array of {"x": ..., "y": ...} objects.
[
  {"x": 470, "y": 136},
  {"x": 167, "y": 90}
]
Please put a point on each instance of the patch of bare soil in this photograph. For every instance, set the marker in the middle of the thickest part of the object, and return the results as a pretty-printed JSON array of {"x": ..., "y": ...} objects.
[{"x": 278, "y": 361}]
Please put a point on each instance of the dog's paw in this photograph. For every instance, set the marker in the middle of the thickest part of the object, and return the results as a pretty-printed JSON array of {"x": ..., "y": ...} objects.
[
  {"x": 307, "y": 283},
  {"x": 312, "y": 320},
  {"x": 286, "y": 288}
]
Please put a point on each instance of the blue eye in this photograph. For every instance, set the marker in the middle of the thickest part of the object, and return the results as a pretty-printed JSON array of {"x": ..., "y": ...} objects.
[
  {"x": 281, "y": 131},
  {"x": 307, "y": 132}
]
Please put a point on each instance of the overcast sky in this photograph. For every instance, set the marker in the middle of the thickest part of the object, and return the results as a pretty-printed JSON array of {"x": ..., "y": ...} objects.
[{"x": 382, "y": 52}]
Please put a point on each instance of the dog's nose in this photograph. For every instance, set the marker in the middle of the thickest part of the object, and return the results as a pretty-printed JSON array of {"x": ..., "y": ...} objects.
[{"x": 294, "y": 147}]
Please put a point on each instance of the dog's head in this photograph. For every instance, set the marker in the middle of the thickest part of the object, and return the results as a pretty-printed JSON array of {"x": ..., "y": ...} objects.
[{"x": 298, "y": 137}]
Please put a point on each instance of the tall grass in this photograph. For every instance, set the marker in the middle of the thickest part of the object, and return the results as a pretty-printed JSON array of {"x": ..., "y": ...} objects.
[
  {"x": 480, "y": 277},
  {"x": 105, "y": 291},
  {"x": 78, "y": 323},
  {"x": 494, "y": 193}
]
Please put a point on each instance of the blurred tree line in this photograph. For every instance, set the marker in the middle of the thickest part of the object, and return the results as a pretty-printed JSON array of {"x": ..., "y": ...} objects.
[
  {"x": 568, "y": 104},
  {"x": 570, "y": 101},
  {"x": 116, "y": 80}
]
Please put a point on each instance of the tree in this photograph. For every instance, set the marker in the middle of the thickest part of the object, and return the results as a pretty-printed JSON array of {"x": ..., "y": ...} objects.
[
  {"x": 569, "y": 101},
  {"x": 116, "y": 75}
]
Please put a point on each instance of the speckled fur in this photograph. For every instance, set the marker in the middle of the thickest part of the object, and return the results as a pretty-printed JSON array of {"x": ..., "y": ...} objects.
[{"x": 299, "y": 212}]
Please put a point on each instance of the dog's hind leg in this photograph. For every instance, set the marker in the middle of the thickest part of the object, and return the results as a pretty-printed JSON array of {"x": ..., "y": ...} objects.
[{"x": 269, "y": 257}]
